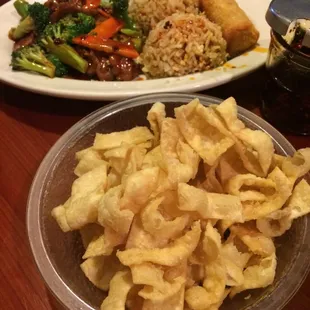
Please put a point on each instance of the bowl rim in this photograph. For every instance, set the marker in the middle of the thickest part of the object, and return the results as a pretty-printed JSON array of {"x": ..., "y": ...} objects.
[{"x": 52, "y": 279}]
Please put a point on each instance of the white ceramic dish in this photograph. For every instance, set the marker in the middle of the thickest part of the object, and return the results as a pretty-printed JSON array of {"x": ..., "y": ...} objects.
[{"x": 96, "y": 90}]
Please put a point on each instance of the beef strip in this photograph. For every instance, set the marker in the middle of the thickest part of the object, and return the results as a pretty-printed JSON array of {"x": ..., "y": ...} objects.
[
  {"x": 124, "y": 69},
  {"x": 91, "y": 57},
  {"x": 25, "y": 41},
  {"x": 104, "y": 70},
  {"x": 70, "y": 7}
]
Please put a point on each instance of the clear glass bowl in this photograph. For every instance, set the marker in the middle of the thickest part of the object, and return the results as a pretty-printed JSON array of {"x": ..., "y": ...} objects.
[{"x": 58, "y": 255}]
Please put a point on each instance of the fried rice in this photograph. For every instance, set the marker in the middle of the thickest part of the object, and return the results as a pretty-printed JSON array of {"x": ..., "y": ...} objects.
[
  {"x": 182, "y": 44},
  {"x": 147, "y": 13}
]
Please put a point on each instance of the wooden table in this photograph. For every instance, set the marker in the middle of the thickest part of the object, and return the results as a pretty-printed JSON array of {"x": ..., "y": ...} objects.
[{"x": 29, "y": 125}]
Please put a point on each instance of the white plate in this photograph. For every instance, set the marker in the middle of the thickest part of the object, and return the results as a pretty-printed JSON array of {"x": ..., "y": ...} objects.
[{"x": 96, "y": 90}]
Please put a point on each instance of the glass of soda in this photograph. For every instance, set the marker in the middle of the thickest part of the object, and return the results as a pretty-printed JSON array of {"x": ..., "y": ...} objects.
[{"x": 286, "y": 95}]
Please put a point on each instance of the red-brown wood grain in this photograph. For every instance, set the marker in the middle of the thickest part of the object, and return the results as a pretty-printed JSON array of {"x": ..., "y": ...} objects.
[{"x": 29, "y": 125}]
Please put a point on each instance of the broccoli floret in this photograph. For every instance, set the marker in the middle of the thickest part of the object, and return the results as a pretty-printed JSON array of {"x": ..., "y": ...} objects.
[
  {"x": 106, "y": 4},
  {"x": 23, "y": 28},
  {"x": 37, "y": 20},
  {"x": 32, "y": 58},
  {"x": 61, "y": 69},
  {"x": 21, "y": 7},
  {"x": 70, "y": 27},
  {"x": 65, "y": 53},
  {"x": 120, "y": 11},
  {"x": 56, "y": 37},
  {"x": 41, "y": 16},
  {"x": 78, "y": 25}
]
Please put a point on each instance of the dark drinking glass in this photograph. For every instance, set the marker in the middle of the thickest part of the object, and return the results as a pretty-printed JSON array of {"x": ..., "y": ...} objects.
[{"x": 286, "y": 96}]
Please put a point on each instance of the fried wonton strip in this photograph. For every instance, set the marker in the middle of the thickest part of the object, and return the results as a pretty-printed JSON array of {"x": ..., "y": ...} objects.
[
  {"x": 110, "y": 215},
  {"x": 148, "y": 274},
  {"x": 209, "y": 205},
  {"x": 97, "y": 247},
  {"x": 113, "y": 179},
  {"x": 230, "y": 165},
  {"x": 174, "y": 280},
  {"x": 274, "y": 226},
  {"x": 120, "y": 286},
  {"x": 93, "y": 181},
  {"x": 154, "y": 159},
  {"x": 146, "y": 145},
  {"x": 135, "y": 162},
  {"x": 141, "y": 239},
  {"x": 299, "y": 203},
  {"x": 257, "y": 189},
  {"x": 135, "y": 135},
  {"x": 169, "y": 206},
  {"x": 59, "y": 214},
  {"x": 212, "y": 184},
  {"x": 100, "y": 270},
  {"x": 156, "y": 116},
  {"x": 273, "y": 203},
  {"x": 76, "y": 213},
  {"x": 157, "y": 286},
  {"x": 234, "y": 262},
  {"x": 209, "y": 246},
  {"x": 298, "y": 165},
  {"x": 120, "y": 152},
  {"x": 164, "y": 184},
  {"x": 256, "y": 150},
  {"x": 119, "y": 163},
  {"x": 180, "y": 160},
  {"x": 211, "y": 243},
  {"x": 258, "y": 276},
  {"x": 188, "y": 156},
  {"x": 229, "y": 113},
  {"x": 82, "y": 207},
  {"x": 171, "y": 255},
  {"x": 126, "y": 159},
  {"x": 104, "y": 244},
  {"x": 256, "y": 242},
  {"x": 277, "y": 223},
  {"x": 277, "y": 161},
  {"x": 80, "y": 154},
  {"x": 158, "y": 295},
  {"x": 88, "y": 160},
  {"x": 201, "y": 129},
  {"x": 138, "y": 188},
  {"x": 154, "y": 222},
  {"x": 254, "y": 147},
  {"x": 175, "y": 302},
  {"x": 213, "y": 289},
  {"x": 195, "y": 273}
]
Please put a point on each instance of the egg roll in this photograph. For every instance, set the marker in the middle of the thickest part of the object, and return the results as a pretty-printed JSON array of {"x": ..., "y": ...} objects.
[{"x": 238, "y": 30}]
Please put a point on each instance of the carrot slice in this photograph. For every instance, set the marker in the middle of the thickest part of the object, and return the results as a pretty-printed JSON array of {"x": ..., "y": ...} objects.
[
  {"x": 93, "y": 4},
  {"x": 105, "y": 45},
  {"x": 107, "y": 28}
]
